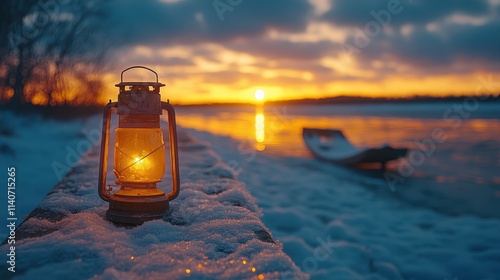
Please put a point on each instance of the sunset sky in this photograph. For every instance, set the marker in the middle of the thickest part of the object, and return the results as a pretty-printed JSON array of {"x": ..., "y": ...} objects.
[{"x": 224, "y": 50}]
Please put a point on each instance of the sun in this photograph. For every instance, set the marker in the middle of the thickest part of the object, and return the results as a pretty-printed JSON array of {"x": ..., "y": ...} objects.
[{"x": 260, "y": 94}]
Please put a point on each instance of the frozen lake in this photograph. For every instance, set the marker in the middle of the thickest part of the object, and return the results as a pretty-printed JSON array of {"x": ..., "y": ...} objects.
[
  {"x": 456, "y": 175},
  {"x": 440, "y": 222}
]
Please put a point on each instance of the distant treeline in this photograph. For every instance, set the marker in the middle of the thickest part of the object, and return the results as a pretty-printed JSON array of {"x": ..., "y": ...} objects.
[
  {"x": 379, "y": 100},
  {"x": 66, "y": 111},
  {"x": 361, "y": 100}
]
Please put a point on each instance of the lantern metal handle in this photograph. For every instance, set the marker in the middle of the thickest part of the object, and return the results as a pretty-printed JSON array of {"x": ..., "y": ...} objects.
[
  {"x": 174, "y": 158},
  {"x": 103, "y": 163},
  {"x": 138, "y": 66}
]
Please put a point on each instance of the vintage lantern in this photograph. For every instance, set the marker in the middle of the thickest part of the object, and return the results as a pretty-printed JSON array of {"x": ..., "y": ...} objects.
[{"x": 139, "y": 154}]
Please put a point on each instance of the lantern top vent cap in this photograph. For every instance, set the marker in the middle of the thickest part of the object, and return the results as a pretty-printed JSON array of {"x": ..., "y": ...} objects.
[{"x": 155, "y": 85}]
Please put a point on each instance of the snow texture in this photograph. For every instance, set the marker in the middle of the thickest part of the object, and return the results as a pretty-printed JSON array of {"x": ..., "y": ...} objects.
[
  {"x": 336, "y": 224},
  {"x": 42, "y": 151},
  {"x": 333, "y": 222},
  {"x": 213, "y": 230}
]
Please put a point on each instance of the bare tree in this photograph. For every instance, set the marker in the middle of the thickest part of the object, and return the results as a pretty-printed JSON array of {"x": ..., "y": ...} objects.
[
  {"x": 48, "y": 47},
  {"x": 13, "y": 52}
]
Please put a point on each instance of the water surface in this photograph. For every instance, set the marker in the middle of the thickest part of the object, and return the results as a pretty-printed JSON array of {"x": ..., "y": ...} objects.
[{"x": 457, "y": 173}]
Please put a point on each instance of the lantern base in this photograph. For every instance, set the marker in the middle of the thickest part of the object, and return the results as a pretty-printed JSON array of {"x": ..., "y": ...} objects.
[{"x": 136, "y": 210}]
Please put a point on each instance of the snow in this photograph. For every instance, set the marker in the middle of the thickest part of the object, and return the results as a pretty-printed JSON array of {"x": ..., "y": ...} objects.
[
  {"x": 213, "y": 230},
  {"x": 42, "y": 151},
  {"x": 370, "y": 234},
  {"x": 332, "y": 222}
]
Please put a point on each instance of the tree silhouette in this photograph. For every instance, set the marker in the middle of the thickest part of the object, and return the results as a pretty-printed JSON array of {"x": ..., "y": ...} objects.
[{"x": 51, "y": 51}]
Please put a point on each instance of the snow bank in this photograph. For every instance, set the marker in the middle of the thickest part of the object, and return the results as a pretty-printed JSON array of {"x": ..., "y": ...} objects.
[
  {"x": 213, "y": 230},
  {"x": 336, "y": 223},
  {"x": 34, "y": 146}
]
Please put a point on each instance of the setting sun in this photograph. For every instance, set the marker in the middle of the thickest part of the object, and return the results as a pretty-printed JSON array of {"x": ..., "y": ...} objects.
[{"x": 260, "y": 94}]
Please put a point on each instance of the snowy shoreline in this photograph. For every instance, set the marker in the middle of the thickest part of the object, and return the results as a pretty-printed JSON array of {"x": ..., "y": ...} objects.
[
  {"x": 212, "y": 231},
  {"x": 371, "y": 235},
  {"x": 305, "y": 204}
]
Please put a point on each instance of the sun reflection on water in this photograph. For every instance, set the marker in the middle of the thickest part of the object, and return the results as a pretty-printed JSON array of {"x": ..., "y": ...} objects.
[
  {"x": 260, "y": 129},
  {"x": 277, "y": 130}
]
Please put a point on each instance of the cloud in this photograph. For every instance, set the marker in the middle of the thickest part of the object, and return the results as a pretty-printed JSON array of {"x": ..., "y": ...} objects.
[
  {"x": 133, "y": 58},
  {"x": 427, "y": 51},
  {"x": 244, "y": 29},
  {"x": 284, "y": 43},
  {"x": 477, "y": 42},
  {"x": 351, "y": 13},
  {"x": 192, "y": 21},
  {"x": 453, "y": 44},
  {"x": 278, "y": 49}
]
